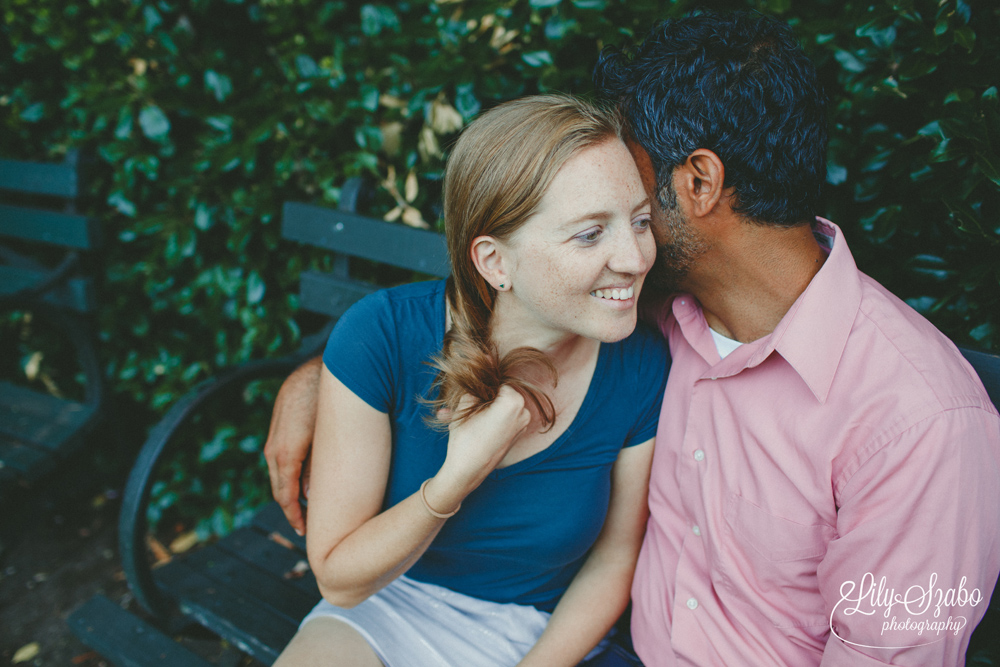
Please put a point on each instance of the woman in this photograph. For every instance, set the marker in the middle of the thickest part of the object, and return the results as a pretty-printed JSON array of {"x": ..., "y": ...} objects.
[{"x": 483, "y": 445}]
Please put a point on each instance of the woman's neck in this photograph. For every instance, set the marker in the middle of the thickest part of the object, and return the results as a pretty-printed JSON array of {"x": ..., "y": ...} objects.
[{"x": 511, "y": 330}]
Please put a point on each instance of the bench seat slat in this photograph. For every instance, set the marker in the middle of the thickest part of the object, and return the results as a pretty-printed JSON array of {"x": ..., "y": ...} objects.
[
  {"x": 359, "y": 236},
  {"x": 125, "y": 640},
  {"x": 77, "y": 294},
  {"x": 56, "y": 179},
  {"x": 61, "y": 229},
  {"x": 38, "y": 418},
  {"x": 240, "y": 572},
  {"x": 234, "y": 615},
  {"x": 24, "y": 460},
  {"x": 270, "y": 519},
  {"x": 275, "y": 560}
]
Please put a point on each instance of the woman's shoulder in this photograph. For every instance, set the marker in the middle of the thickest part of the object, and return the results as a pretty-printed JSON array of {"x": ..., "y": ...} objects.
[{"x": 402, "y": 302}]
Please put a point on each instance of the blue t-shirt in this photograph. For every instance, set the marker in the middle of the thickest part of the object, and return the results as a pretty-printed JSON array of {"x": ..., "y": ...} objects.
[{"x": 526, "y": 531}]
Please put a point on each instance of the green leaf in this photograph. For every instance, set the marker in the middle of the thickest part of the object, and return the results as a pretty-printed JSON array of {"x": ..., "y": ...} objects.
[
  {"x": 369, "y": 97},
  {"x": 988, "y": 166},
  {"x": 218, "y": 84},
  {"x": 601, "y": 5},
  {"x": 541, "y": 4},
  {"x": 203, "y": 218},
  {"x": 965, "y": 37},
  {"x": 123, "y": 205},
  {"x": 33, "y": 113},
  {"x": 849, "y": 61},
  {"x": 152, "y": 18},
  {"x": 835, "y": 173},
  {"x": 250, "y": 444},
  {"x": 465, "y": 101},
  {"x": 255, "y": 288},
  {"x": 123, "y": 130},
  {"x": 154, "y": 123},
  {"x": 376, "y": 18},
  {"x": 537, "y": 58},
  {"x": 981, "y": 332},
  {"x": 306, "y": 66},
  {"x": 881, "y": 37}
]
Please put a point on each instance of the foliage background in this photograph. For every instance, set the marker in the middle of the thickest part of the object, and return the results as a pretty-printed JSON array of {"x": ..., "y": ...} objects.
[{"x": 200, "y": 117}]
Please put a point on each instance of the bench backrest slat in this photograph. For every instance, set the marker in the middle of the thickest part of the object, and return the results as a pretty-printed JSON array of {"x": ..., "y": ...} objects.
[
  {"x": 56, "y": 180},
  {"x": 76, "y": 294},
  {"x": 62, "y": 229},
  {"x": 329, "y": 295},
  {"x": 368, "y": 238},
  {"x": 987, "y": 366}
]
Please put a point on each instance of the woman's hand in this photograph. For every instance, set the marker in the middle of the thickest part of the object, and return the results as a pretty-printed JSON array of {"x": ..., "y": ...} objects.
[
  {"x": 476, "y": 446},
  {"x": 354, "y": 547}
]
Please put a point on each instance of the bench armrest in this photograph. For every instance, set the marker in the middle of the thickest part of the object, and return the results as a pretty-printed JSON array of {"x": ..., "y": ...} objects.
[{"x": 132, "y": 519}]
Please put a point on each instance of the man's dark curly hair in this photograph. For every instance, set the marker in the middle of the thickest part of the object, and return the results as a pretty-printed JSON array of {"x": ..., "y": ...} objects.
[{"x": 739, "y": 85}]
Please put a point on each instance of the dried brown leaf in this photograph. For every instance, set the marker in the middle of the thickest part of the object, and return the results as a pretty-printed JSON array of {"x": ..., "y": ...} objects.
[
  {"x": 281, "y": 539},
  {"x": 26, "y": 653},
  {"x": 184, "y": 542},
  {"x": 161, "y": 555},
  {"x": 297, "y": 571}
]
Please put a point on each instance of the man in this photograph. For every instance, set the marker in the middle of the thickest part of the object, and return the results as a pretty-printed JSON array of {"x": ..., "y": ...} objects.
[{"x": 827, "y": 469}]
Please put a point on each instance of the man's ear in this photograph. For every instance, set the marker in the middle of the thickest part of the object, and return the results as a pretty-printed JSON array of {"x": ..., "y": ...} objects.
[
  {"x": 487, "y": 257},
  {"x": 700, "y": 182}
]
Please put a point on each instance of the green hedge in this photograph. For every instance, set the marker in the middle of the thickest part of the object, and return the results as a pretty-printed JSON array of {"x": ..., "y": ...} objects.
[{"x": 202, "y": 116}]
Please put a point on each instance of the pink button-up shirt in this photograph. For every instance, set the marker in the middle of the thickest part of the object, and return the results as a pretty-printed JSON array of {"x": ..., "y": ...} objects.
[{"x": 810, "y": 483}]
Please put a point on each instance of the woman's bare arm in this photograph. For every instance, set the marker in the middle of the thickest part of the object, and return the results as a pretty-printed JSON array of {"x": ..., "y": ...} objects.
[
  {"x": 355, "y": 550},
  {"x": 600, "y": 591}
]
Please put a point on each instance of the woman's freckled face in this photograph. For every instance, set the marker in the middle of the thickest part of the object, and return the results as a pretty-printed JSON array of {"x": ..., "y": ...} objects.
[{"x": 577, "y": 265}]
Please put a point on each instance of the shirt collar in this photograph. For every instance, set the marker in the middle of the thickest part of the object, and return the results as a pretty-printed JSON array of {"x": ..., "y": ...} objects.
[{"x": 812, "y": 334}]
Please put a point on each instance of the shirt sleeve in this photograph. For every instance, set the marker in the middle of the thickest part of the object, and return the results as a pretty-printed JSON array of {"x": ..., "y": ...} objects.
[
  {"x": 653, "y": 366},
  {"x": 912, "y": 570},
  {"x": 362, "y": 351}
]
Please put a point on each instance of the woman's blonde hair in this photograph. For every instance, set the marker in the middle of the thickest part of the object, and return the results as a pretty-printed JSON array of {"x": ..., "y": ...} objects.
[{"x": 497, "y": 173}]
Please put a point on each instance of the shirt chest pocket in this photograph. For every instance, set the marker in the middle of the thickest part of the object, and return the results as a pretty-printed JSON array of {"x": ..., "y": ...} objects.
[{"x": 770, "y": 563}]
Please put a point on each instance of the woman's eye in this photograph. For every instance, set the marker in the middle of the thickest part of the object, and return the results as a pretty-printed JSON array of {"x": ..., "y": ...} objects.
[
  {"x": 641, "y": 223},
  {"x": 590, "y": 236}
]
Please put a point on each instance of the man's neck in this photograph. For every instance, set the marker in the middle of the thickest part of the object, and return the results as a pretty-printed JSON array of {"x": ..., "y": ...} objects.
[{"x": 748, "y": 280}]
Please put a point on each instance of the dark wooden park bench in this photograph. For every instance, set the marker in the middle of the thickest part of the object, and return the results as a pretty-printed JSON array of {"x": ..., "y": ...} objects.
[
  {"x": 42, "y": 241},
  {"x": 248, "y": 588}
]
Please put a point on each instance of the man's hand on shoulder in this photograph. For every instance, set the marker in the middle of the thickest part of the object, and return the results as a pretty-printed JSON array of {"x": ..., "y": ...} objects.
[{"x": 289, "y": 440}]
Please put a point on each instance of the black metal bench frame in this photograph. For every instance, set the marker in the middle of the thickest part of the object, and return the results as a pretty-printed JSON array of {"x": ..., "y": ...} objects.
[
  {"x": 247, "y": 587},
  {"x": 38, "y": 430}
]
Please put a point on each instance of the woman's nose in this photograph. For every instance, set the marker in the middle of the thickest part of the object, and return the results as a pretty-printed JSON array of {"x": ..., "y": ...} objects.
[{"x": 633, "y": 252}]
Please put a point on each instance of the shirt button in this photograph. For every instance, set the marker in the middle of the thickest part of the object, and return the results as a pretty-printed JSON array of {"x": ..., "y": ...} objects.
[
  {"x": 699, "y": 455},
  {"x": 692, "y": 603},
  {"x": 696, "y": 530}
]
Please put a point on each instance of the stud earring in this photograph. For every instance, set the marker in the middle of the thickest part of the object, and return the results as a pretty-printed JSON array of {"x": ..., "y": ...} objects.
[{"x": 501, "y": 285}]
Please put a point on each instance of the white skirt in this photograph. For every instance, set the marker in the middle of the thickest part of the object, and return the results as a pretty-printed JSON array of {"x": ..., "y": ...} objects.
[{"x": 413, "y": 624}]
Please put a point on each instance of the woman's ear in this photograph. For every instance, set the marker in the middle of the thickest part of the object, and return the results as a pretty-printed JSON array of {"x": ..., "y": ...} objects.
[
  {"x": 700, "y": 181},
  {"x": 487, "y": 257}
]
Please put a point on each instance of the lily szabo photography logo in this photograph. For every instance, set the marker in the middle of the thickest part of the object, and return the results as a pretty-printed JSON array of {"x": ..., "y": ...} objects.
[{"x": 918, "y": 616}]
